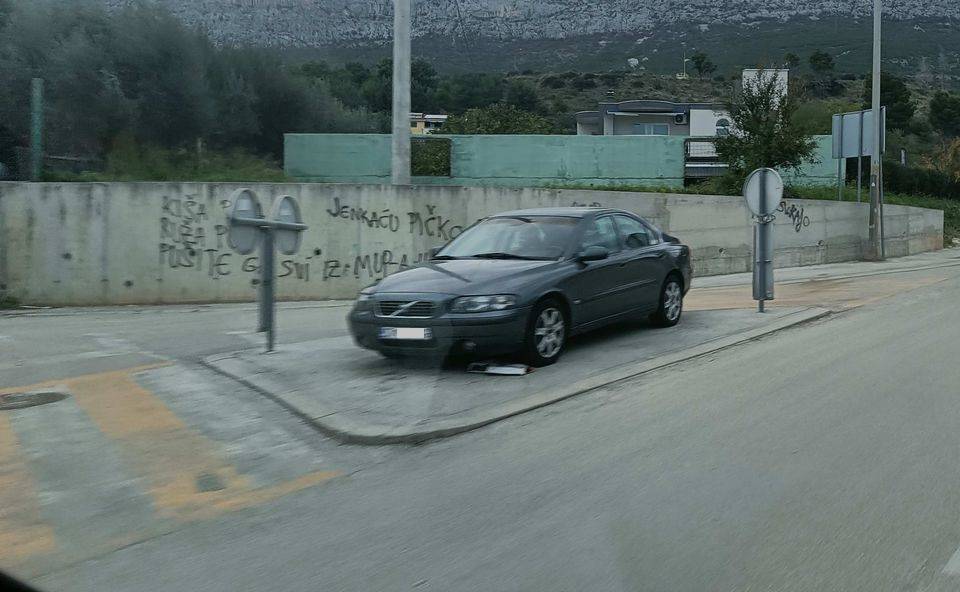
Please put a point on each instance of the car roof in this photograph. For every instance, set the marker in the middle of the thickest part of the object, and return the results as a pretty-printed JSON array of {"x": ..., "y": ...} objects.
[{"x": 568, "y": 212}]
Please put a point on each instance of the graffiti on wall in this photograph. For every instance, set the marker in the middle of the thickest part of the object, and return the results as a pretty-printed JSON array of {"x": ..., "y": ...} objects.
[
  {"x": 194, "y": 239},
  {"x": 795, "y": 215},
  {"x": 419, "y": 223}
]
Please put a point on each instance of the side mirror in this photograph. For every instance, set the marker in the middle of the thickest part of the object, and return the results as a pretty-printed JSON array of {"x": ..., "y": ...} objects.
[
  {"x": 435, "y": 251},
  {"x": 594, "y": 253}
]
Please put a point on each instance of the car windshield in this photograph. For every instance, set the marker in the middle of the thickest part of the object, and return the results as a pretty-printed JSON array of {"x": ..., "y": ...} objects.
[{"x": 535, "y": 237}]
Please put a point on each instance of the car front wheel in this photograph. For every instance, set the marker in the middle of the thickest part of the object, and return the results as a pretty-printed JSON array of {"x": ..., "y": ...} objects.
[
  {"x": 671, "y": 303},
  {"x": 546, "y": 334}
]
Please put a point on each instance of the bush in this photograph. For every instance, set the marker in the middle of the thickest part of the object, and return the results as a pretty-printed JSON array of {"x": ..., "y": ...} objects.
[
  {"x": 498, "y": 119},
  {"x": 917, "y": 181},
  {"x": 553, "y": 81},
  {"x": 611, "y": 78},
  {"x": 584, "y": 83},
  {"x": 129, "y": 162},
  {"x": 8, "y": 302},
  {"x": 430, "y": 157}
]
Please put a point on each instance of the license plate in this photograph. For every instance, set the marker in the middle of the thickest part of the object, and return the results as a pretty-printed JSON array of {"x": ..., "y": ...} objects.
[{"x": 405, "y": 333}]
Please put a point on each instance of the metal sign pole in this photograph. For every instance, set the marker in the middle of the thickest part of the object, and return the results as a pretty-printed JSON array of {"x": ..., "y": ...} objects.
[
  {"x": 762, "y": 242},
  {"x": 283, "y": 232},
  {"x": 840, "y": 164},
  {"x": 265, "y": 252},
  {"x": 874, "y": 250},
  {"x": 269, "y": 288},
  {"x": 36, "y": 129},
  {"x": 883, "y": 242},
  {"x": 762, "y": 192}
]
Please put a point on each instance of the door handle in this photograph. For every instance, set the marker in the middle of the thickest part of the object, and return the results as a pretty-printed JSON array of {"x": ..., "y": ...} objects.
[{"x": 657, "y": 255}]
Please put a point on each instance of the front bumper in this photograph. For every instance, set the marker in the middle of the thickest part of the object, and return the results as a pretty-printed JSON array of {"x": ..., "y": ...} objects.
[{"x": 479, "y": 334}]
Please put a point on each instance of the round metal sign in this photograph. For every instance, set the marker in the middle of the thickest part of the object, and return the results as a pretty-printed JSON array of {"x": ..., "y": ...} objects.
[
  {"x": 754, "y": 194},
  {"x": 244, "y": 238},
  {"x": 286, "y": 209}
]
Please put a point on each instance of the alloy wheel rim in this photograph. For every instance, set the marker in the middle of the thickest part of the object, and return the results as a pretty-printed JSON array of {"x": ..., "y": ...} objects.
[
  {"x": 672, "y": 301},
  {"x": 549, "y": 332}
]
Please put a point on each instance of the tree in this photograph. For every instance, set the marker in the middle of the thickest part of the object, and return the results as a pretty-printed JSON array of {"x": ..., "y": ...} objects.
[
  {"x": 945, "y": 113},
  {"x": 584, "y": 81},
  {"x": 702, "y": 64},
  {"x": 524, "y": 96},
  {"x": 140, "y": 75},
  {"x": 764, "y": 131},
  {"x": 377, "y": 89},
  {"x": 791, "y": 61},
  {"x": 896, "y": 96},
  {"x": 821, "y": 62},
  {"x": 946, "y": 159},
  {"x": 6, "y": 7},
  {"x": 498, "y": 119},
  {"x": 460, "y": 92}
]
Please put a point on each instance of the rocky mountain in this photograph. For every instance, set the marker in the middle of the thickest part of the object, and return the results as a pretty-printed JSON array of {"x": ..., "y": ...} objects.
[{"x": 315, "y": 23}]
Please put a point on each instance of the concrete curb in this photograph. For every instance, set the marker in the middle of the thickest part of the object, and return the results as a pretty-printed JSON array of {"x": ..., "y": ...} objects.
[{"x": 349, "y": 431}]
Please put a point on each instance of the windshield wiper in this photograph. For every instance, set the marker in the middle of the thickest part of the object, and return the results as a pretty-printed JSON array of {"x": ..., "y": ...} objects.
[
  {"x": 443, "y": 258},
  {"x": 507, "y": 256}
]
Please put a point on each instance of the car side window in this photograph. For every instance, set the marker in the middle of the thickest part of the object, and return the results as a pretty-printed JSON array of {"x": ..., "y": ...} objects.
[
  {"x": 635, "y": 233},
  {"x": 602, "y": 232}
]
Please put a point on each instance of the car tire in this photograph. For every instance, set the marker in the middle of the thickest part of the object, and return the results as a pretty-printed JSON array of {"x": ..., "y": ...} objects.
[
  {"x": 547, "y": 331},
  {"x": 671, "y": 303}
]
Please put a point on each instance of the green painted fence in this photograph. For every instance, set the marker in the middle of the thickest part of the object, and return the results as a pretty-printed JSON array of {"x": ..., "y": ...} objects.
[{"x": 516, "y": 161}]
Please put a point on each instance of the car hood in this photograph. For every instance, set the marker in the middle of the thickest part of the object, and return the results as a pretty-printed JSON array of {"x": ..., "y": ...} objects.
[{"x": 463, "y": 277}]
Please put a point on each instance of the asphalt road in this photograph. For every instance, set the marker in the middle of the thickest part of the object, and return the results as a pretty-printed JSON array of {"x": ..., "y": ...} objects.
[
  {"x": 820, "y": 458},
  {"x": 46, "y": 345}
]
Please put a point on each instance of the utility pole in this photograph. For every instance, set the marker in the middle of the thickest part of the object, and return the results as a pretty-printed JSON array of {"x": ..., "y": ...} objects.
[
  {"x": 401, "y": 92},
  {"x": 875, "y": 250},
  {"x": 36, "y": 129}
]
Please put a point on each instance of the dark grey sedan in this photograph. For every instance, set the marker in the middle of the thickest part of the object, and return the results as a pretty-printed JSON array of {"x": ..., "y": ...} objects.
[{"x": 524, "y": 282}]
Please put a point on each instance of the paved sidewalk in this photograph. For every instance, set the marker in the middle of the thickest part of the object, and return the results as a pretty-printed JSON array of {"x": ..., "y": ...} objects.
[
  {"x": 357, "y": 396},
  {"x": 931, "y": 260},
  {"x": 838, "y": 287}
]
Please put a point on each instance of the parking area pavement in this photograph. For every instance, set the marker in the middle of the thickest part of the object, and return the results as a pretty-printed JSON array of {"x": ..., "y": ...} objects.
[{"x": 358, "y": 396}]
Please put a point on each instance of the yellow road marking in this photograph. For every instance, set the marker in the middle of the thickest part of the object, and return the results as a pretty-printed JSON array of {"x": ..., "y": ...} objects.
[
  {"x": 187, "y": 475},
  {"x": 266, "y": 494},
  {"x": 22, "y": 532},
  {"x": 174, "y": 459},
  {"x": 47, "y": 384}
]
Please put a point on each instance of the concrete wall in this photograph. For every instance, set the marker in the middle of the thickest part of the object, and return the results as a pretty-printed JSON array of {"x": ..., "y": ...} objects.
[{"x": 93, "y": 243}]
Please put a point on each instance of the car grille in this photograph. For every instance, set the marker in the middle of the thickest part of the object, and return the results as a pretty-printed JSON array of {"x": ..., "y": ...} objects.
[{"x": 409, "y": 309}]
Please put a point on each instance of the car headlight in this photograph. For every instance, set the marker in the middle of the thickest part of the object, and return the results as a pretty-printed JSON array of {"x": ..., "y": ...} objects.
[
  {"x": 364, "y": 301},
  {"x": 483, "y": 303}
]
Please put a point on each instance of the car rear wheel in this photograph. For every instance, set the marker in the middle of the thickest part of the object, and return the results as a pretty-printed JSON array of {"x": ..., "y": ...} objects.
[
  {"x": 546, "y": 334},
  {"x": 671, "y": 303}
]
